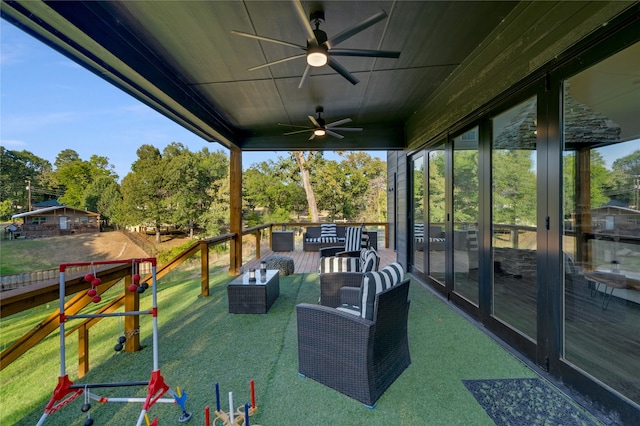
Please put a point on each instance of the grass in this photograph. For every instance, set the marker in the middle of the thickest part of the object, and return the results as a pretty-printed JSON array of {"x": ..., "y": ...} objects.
[{"x": 201, "y": 344}]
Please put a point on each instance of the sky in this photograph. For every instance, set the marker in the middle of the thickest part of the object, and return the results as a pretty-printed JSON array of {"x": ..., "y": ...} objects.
[{"x": 49, "y": 103}]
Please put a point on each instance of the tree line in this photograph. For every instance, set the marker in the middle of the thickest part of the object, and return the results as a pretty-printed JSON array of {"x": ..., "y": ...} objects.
[
  {"x": 190, "y": 190},
  {"x": 514, "y": 191}
]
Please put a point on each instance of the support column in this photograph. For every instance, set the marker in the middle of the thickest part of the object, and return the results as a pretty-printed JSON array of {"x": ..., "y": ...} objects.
[{"x": 235, "y": 201}]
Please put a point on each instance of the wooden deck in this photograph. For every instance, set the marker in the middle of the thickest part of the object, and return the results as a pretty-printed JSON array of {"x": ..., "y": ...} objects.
[{"x": 307, "y": 261}]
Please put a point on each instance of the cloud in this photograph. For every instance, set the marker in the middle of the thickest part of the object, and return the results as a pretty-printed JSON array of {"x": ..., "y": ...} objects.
[
  {"x": 29, "y": 122},
  {"x": 11, "y": 54},
  {"x": 12, "y": 143}
]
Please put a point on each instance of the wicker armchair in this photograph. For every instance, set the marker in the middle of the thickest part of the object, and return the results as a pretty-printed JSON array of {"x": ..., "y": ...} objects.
[
  {"x": 338, "y": 274},
  {"x": 351, "y": 247},
  {"x": 356, "y": 356}
]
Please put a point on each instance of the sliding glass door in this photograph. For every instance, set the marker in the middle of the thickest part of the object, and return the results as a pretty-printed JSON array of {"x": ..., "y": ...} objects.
[
  {"x": 514, "y": 217},
  {"x": 436, "y": 213},
  {"x": 601, "y": 238},
  {"x": 465, "y": 215},
  {"x": 418, "y": 214}
]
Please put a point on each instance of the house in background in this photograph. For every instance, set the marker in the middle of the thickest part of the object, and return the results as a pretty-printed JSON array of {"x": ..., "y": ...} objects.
[{"x": 54, "y": 221}]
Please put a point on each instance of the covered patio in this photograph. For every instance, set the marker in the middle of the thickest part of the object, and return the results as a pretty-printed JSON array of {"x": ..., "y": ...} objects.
[{"x": 228, "y": 71}]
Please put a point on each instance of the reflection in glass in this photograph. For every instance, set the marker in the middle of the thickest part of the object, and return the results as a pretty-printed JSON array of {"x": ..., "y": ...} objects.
[
  {"x": 417, "y": 185},
  {"x": 465, "y": 214},
  {"x": 436, "y": 214},
  {"x": 514, "y": 197},
  {"x": 601, "y": 237}
]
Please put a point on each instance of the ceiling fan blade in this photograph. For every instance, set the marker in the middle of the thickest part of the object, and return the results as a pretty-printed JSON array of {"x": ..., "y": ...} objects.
[
  {"x": 314, "y": 121},
  {"x": 297, "y": 132},
  {"x": 313, "y": 135},
  {"x": 295, "y": 125},
  {"x": 339, "y": 122},
  {"x": 365, "y": 53},
  {"x": 334, "y": 134},
  {"x": 350, "y": 32},
  {"x": 347, "y": 129},
  {"x": 272, "y": 40},
  {"x": 279, "y": 61},
  {"x": 305, "y": 76},
  {"x": 342, "y": 71},
  {"x": 304, "y": 22}
]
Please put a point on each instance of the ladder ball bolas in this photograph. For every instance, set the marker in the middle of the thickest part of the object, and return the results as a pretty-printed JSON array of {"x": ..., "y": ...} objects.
[
  {"x": 96, "y": 282},
  {"x": 133, "y": 287},
  {"x": 136, "y": 278},
  {"x": 91, "y": 293},
  {"x": 96, "y": 299},
  {"x": 89, "y": 277}
]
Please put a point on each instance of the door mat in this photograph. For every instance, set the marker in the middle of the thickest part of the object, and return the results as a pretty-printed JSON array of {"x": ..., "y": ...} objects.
[{"x": 528, "y": 401}]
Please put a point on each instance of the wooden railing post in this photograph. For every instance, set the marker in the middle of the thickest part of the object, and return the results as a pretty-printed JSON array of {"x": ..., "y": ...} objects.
[
  {"x": 83, "y": 350},
  {"x": 235, "y": 213},
  {"x": 204, "y": 268},
  {"x": 271, "y": 236},
  {"x": 386, "y": 235},
  {"x": 131, "y": 322},
  {"x": 258, "y": 237}
]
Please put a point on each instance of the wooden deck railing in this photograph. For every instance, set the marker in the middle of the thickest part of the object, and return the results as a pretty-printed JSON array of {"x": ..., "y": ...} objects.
[{"x": 21, "y": 299}]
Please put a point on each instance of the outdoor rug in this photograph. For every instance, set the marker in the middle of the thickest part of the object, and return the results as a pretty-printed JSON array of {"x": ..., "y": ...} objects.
[{"x": 527, "y": 402}]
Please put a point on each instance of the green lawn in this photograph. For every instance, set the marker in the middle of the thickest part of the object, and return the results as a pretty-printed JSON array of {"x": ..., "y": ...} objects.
[{"x": 201, "y": 344}]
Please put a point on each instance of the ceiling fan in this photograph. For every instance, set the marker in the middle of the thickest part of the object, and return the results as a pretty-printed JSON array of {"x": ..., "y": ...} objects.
[
  {"x": 319, "y": 49},
  {"x": 320, "y": 128}
]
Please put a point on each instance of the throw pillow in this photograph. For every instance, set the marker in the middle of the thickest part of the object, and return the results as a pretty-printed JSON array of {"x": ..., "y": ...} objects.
[
  {"x": 376, "y": 282},
  {"x": 338, "y": 264},
  {"x": 353, "y": 239},
  {"x": 328, "y": 230},
  {"x": 369, "y": 260}
]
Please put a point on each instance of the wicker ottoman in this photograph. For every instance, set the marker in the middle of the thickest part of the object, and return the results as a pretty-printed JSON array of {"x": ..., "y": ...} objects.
[{"x": 284, "y": 264}]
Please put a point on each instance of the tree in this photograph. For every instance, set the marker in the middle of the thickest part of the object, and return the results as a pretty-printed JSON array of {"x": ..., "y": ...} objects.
[
  {"x": 465, "y": 187},
  {"x": 305, "y": 163},
  {"x": 110, "y": 205},
  {"x": 275, "y": 188},
  {"x": 82, "y": 180},
  {"x": 626, "y": 179},
  {"x": 372, "y": 205},
  {"x": 436, "y": 183},
  {"x": 144, "y": 191},
  {"x": 19, "y": 170}
]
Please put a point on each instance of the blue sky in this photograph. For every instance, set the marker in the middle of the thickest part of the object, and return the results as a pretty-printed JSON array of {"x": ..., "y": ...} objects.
[{"x": 49, "y": 103}]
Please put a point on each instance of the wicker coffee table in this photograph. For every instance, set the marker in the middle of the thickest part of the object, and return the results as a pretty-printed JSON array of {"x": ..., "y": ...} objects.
[{"x": 253, "y": 298}]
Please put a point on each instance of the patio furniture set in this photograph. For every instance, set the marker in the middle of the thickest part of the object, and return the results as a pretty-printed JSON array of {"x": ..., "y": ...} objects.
[
  {"x": 355, "y": 340},
  {"x": 330, "y": 235}
]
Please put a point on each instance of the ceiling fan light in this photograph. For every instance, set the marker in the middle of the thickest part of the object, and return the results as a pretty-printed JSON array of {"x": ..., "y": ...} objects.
[
  {"x": 319, "y": 132},
  {"x": 317, "y": 57}
]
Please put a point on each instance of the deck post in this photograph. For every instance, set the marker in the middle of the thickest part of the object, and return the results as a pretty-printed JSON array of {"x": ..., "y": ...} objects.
[
  {"x": 131, "y": 323},
  {"x": 235, "y": 202},
  {"x": 204, "y": 268},
  {"x": 83, "y": 350}
]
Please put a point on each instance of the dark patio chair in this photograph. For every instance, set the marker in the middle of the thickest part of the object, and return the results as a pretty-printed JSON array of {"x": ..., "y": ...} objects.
[
  {"x": 359, "y": 353},
  {"x": 352, "y": 244},
  {"x": 337, "y": 273}
]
